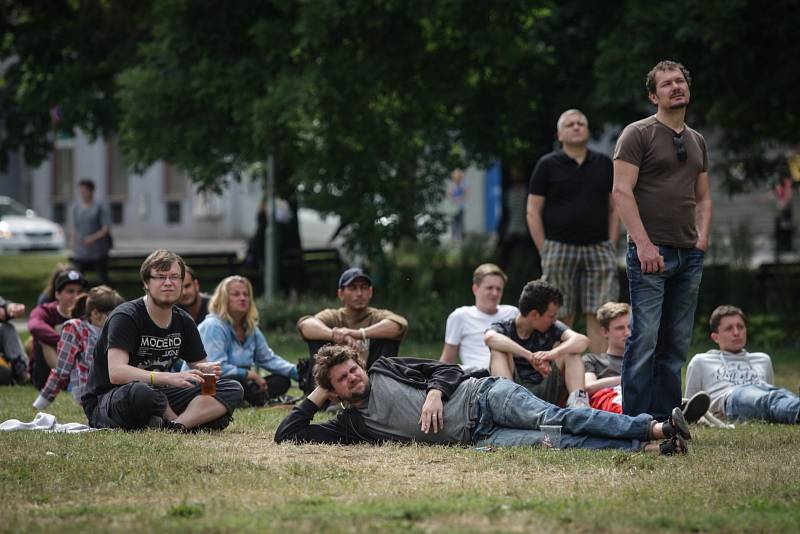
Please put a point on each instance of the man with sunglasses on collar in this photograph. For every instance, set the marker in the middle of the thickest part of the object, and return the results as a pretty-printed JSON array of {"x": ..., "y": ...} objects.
[{"x": 661, "y": 188}]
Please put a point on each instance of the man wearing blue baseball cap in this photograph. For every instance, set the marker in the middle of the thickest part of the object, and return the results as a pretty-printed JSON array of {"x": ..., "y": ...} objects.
[{"x": 355, "y": 324}]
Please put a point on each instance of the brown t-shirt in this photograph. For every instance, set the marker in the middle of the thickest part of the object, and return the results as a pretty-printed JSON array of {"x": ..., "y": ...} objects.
[
  {"x": 339, "y": 318},
  {"x": 665, "y": 189}
]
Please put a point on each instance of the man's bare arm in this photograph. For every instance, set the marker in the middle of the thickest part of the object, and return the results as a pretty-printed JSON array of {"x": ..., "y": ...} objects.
[
  {"x": 121, "y": 372},
  {"x": 313, "y": 328},
  {"x": 625, "y": 177},
  {"x": 449, "y": 354},
  {"x": 702, "y": 211}
]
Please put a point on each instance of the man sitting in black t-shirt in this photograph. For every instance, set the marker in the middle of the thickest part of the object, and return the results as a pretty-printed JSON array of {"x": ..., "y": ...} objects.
[
  {"x": 130, "y": 385},
  {"x": 538, "y": 352}
]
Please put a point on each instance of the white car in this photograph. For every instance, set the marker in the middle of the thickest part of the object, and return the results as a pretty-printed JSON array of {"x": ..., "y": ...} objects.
[{"x": 22, "y": 229}]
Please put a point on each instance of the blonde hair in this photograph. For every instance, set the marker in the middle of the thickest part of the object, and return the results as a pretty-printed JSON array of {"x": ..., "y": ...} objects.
[
  {"x": 487, "y": 269},
  {"x": 610, "y": 311},
  {"x": 219, "y": 303}
]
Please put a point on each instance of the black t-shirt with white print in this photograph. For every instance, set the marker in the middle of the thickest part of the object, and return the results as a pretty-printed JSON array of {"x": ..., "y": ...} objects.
[{"x": 150, "y": 347}]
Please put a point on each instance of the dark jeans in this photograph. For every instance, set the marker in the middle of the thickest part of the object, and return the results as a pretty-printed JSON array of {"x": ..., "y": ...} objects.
[
  {"x": 131, "y": 405},
  {"x": 277, "y": 385},
  {"x": 662, "y": 318},
  {"x": 99, "y": 266}
]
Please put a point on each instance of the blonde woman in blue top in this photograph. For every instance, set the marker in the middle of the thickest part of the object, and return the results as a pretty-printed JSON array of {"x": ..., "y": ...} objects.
[{"x": 231, "y": 336}]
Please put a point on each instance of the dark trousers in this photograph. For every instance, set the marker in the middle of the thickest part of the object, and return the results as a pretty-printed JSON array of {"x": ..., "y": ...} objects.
[
  {"x": 277, "y": 385},
  {"x": 131, "y": 406},
  {"x": 99, "y": 266}
]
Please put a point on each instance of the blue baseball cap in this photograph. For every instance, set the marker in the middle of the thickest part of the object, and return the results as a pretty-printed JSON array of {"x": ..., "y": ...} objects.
[{"x": 350, "y": 276}]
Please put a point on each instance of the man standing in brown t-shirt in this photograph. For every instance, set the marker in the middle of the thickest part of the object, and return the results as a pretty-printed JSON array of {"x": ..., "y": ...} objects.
[
  {"x": 355, "y": 324},
  {"x": 661, "y": 188}
]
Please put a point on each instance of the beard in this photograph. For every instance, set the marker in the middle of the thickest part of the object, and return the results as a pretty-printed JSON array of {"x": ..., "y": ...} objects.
[
  {"x": 162, "y": 302},
  {"x": 355, "y": 398}
]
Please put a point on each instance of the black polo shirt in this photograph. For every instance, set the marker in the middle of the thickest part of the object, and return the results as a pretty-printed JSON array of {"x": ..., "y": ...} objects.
[{"x": 576, "y": 196}]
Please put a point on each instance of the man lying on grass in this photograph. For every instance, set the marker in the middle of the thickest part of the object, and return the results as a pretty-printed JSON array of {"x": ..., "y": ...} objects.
[{"x": 408, "y": 399}]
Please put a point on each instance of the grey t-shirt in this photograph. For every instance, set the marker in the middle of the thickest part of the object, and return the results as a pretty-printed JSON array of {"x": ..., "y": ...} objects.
[
  {"x": 87, "y": 220},
  {"x": 393, "y": 410},
  {"x": 603, "y": 365}
]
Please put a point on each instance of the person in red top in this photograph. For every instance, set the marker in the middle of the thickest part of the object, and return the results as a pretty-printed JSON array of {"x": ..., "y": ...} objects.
[
  {"x": 76, "y": 346},
  {"x": 45, "y": 318}
]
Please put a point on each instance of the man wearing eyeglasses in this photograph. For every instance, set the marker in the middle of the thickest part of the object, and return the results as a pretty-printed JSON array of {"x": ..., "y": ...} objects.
[
  {"x": 574, "y": 225},
  {"x": 661, "y": 187},
  {"x": 130, "y": 384}
]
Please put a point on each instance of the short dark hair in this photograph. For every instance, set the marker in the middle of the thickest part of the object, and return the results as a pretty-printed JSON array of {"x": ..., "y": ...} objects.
[
  {"x": 329, "y": 356},
  {"x": 191, "y": 273},
  {"x": 537, "y": 295},
  {"x": 661, "y": 66},
  {"x": 87, "y": 183},
  {"x": 160, "y": 260},
  {"x": 726, "y": 310}
]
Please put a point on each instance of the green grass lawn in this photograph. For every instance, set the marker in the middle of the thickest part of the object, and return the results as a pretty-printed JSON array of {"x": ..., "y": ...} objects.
[{"x": 239, "y": 480}]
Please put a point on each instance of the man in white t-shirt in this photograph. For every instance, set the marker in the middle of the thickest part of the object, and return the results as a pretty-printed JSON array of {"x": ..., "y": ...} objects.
[{"x": 466, "y": 325}]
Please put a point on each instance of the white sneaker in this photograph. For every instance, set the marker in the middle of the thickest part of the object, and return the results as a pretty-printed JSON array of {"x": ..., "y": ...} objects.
[{"x": 578, "y": 399}]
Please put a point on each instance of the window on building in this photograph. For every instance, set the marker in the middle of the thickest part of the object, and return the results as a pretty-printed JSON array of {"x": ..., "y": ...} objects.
[
  {"x": 175, "y": 186},
  {"x": 118, "y": 173},
  {"x": 173, "y": 212}
]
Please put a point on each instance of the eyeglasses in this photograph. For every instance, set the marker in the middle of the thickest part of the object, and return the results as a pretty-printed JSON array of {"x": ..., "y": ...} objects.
[
  {"x": 680, "y": 150},
  {"x": 160, "y": 278}
]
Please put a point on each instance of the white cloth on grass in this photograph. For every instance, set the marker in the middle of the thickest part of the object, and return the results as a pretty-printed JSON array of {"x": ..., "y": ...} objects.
[{"x": 46, "y": 423}]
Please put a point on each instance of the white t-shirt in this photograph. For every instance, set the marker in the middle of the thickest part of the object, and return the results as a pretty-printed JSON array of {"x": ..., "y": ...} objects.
[{"x": 465, "y": 329}]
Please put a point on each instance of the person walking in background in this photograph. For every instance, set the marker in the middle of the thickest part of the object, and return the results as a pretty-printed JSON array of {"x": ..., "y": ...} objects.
[
  {"x": 573, "y": 222},
  {"x": 91, "y": 231},
  {"x": 661, "y": 187},
  {"x": 231, "y": 337}
]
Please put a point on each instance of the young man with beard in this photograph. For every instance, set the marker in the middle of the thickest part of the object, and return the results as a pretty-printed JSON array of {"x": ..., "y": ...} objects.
[
  {"x": 356, "y": 324},
  {"x": 130, "y": 385},
  {"x": 192, "y": 301},
  {"x": 412, "y": 400},
  {"x": 661, "y": 188}
]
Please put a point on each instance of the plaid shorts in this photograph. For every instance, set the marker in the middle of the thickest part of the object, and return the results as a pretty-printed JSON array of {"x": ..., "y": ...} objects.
[{"x": 593, "y": 267}]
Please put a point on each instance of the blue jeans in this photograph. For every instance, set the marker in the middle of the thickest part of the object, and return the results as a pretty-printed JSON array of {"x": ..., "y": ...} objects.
[
  {"x": 760, "y": 401},
  {"x": 509, "y": 415},
  {"x": 662, "y": 317}
]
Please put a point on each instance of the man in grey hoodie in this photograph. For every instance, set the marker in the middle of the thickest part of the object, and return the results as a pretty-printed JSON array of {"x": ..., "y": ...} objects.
[{"x": 740, "y": 383}]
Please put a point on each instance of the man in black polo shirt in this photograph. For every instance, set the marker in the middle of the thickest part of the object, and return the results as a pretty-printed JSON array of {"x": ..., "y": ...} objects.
[{"x": 574, "y": 225}]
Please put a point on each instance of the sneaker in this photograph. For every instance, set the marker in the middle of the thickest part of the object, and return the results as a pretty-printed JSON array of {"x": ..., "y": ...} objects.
[
  {"x": 283, "y": 399},
  {"x": 674, "y": 445},
  {"x": 578, "y": 399},
  {"x": 676, "y": 425},
  {"x": 696, "y": 407},
  {"x": 172, "y": 426}
]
